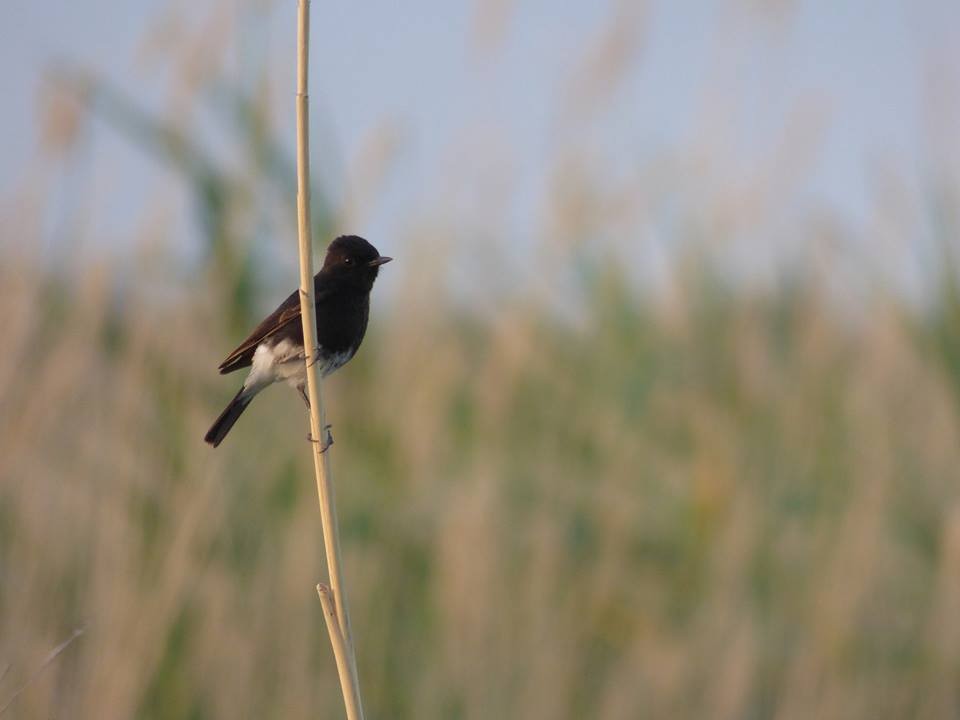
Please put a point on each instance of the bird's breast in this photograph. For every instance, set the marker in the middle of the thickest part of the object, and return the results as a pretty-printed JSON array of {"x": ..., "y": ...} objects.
[{"x": 342, "y": 323}]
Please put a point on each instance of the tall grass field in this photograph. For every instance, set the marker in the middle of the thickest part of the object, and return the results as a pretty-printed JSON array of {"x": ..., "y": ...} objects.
[{"x": 568, "y": 486}]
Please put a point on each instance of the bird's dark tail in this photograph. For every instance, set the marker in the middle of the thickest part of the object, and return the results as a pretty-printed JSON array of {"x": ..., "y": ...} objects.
[{"x": 221, "y": 426}]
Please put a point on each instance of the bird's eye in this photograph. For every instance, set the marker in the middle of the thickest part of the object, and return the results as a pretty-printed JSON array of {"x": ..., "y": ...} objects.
[{"x": 348, "y": 261}]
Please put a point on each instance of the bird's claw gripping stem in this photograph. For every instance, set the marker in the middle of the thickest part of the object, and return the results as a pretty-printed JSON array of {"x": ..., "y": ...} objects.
[
  {"x": 327, "y": 443},
  {"x": 316, "y": 357}
]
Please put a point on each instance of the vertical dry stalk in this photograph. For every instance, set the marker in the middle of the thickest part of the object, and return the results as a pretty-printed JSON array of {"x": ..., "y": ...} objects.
[
  {"x": 335, "y": 607},
  {"x": 341, "y": 653}
]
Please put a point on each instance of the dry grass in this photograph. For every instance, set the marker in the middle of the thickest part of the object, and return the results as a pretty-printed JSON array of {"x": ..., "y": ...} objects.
[
  {"x": 711, "y": 500},
  {"x": 752, "y": 512}
]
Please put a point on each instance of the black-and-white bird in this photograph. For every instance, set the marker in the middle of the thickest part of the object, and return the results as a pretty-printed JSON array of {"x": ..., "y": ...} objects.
[{"x": 274, "y": 351}]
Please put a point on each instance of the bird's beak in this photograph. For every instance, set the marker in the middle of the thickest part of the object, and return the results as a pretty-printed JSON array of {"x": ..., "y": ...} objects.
[{"x": 382, "y": 260}]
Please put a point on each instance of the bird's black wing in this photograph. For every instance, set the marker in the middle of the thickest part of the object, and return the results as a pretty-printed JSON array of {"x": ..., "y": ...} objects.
[{"x": 286, "y": 313}]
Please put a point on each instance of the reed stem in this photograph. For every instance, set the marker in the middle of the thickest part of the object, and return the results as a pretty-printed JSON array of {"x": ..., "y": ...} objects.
[{"x": 335, "y": 603}]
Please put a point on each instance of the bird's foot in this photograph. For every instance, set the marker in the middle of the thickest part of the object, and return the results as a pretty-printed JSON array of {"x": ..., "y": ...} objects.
[
  {"x": 327, "y": 443},
  {"x": 302, "y": 355},
  {"x": 316, "y": 356}
]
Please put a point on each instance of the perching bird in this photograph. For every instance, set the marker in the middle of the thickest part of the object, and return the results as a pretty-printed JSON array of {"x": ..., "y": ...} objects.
[{"x": 274, "y": 350}]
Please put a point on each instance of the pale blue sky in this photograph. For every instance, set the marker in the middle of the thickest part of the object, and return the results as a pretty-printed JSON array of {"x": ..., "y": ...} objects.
[{"x": 880, "y": 73}]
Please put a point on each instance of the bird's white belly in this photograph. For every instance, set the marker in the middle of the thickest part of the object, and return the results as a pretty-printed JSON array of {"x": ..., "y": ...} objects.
[
  {"x": 284, "y": 362},
  {"x": 276, "y": 363}
]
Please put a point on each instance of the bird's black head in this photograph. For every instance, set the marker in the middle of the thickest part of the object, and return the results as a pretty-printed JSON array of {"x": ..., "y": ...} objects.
[{"x": 352, "y": 260}]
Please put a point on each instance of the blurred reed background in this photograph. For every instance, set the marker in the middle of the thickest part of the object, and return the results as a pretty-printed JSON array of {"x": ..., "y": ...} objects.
[{"x": 564, "y": 492}]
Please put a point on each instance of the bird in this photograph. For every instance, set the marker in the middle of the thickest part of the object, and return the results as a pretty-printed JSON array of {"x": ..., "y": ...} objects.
[{"x": 274, "y": 351}]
